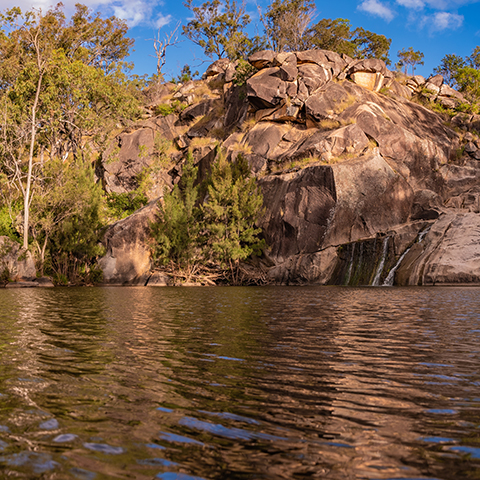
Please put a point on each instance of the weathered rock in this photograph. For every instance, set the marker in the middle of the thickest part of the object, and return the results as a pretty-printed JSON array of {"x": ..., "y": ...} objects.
[
  {"x": 218, "y": 67},
  {"x": 327, "y": 102},
  {"x": 16, "y": 265},
  {"x": 264, "y": 138},
  {"x": 371, "y": 198},
  {"x": 195, "y": 111},
  {"x": 236, "y": 107},
  {"x": 447, "y": 91},
  {"x": 312, "y": 268},
  {"x": 298, "y": 208},
  {"x": 262, "y": 59},
  {"x": 448, "y": 102},
  {"x": 314, "y": 76},
  {"x": 159, "y": 279},
  {"x": 368, "y": 73},
  {"x": 284, "y": 113},
  {"x": 128, "y": 254},
  {"x": 449, "y": 254},
  {"x": 349, "y": 139},
  {"x": 265, "y": 89},
  {"x": 427, "y": 205},
  {"x": 123, "y": 162},
  {"x": 436, "y": 80}
]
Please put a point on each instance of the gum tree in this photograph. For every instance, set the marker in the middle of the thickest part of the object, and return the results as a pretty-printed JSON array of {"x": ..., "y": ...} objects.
[{"x": 62, "y": 82}]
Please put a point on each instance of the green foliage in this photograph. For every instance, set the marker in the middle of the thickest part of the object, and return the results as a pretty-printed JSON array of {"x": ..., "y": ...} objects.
[
  {"x": 409, "y": 57},
  {"x": 230, "y": 212},
  {"x": 286, "y": 23},
  {"x": 218, "y": 27},
  {"x": 7, "y": 216},
  {"x": 185, "y": 75},
  {"x": 468, "y": 80},
  {"x": 66, "y": 227},
  {"x": 219, "y": 233},
  {"x": 166, "y": 109},
  {"x": 177, "y": 229},
  {"x": 474, "y": 59},
  {"x": 449, "y": 67},
  {"x": 120, "y": 205},
  {"x": 62, "y": 85},
  {"x": 336, "y": 35},
  {"x": 243, "y": 72}
]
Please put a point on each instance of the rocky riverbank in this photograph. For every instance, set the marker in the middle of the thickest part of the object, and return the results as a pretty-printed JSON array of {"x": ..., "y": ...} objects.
[{"x": 366, "y": 180}]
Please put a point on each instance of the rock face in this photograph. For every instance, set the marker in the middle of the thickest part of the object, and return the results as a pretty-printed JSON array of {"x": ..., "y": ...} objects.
[
  {"x": 16, "y": 265},
  {"x": 128, "y": 243},
  {"x": 353, "y": 173},
  {"x": 449, "y": 253}
]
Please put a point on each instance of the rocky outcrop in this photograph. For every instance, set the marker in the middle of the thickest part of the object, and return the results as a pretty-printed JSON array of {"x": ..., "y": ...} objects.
[
  {"x": 449, "y": 253},
  {"x": 351, "y": 170},
  {"x": 16, "y": 265},
  {"x": 128, "y": 258}
]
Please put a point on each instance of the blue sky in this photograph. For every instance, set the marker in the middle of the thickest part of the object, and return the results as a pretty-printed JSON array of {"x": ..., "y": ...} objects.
[{"x": 435, "y": 27}]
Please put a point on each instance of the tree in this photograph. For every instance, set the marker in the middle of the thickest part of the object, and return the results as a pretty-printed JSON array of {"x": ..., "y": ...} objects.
[
  {"x": 410, "y": 57},
  {"x": 286, "y": 23},
  {"x": 474, "y": 59},
  {"x": 449, "y": 67},
  {"x": 232, "y": 207},
  {"x": 219, "y": 28},
  {"x": 177, "y": 229},
  {"x": 68, "y": 224},
  {"x": 61, "y": 83},
  {"x": 160, "y": 46},
  {"x": 371, "y": 45},
  {"x": 468, "y": 80},
  {"x": 336, "y": 35},
  {"x": 209, "y": 238}
]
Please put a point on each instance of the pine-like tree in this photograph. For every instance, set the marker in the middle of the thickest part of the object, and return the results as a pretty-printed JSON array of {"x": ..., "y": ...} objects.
[{"x": 230, "y": 212}]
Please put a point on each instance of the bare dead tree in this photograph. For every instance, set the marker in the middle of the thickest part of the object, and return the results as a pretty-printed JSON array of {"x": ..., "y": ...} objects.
[{"x": 160, "y": 45}]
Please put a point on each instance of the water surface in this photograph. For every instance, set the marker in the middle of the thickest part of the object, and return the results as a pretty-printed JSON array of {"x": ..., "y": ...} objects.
[{"x": 240, "y": 383}]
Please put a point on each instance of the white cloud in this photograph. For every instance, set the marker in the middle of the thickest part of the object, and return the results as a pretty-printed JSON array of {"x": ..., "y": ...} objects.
[
  {"x": 162, "y": 20},
  {"x": 377, "y": 8},
  {"x": 446, "y": 21},
  {"x": 134, "y": 12},
  {"x": 415, "y": 4}
]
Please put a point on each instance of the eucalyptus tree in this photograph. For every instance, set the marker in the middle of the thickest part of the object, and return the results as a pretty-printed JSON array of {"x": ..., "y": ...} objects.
[
  {"x": 61, "y": 83},
  {"x": 409, "y": 57},
  {"x": 219, "y": 28}
]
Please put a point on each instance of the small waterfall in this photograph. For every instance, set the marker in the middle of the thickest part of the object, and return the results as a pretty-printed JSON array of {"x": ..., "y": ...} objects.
[
  {"x": 422, "y": 234},
  {"x": 350, "y": 268},
  {"x": 376, "y": 279},
  {"x": 391, "y": 274}
]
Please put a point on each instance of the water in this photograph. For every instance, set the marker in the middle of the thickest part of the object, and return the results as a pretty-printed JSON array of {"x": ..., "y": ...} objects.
[
  {"x": 376, "y": 280},
  {"x": 240, "y": 383}
]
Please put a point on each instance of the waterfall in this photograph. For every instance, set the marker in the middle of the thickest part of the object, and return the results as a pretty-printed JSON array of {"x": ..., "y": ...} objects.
[
  {"x": 352, "y": 258},
  {"x": 391, "y": 274},
  {"x": 376, "y": 279},
  {"x": 422, "y": 234}
]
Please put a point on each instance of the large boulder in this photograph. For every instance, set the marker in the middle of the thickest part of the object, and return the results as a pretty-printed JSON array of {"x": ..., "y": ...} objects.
[
  {"x": 449, "y": 253},
  {"x": 368, "y": 73},
  {"x": 16, "y": 264},
  {"x": 266, "y": 89},
  {"x": 298, "y": 207},
  {"x": 128, "y": 258},
  {"x": 371, "y": 197}
]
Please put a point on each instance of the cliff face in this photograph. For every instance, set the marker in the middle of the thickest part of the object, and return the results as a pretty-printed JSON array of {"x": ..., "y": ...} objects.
[{"x": 354, "y": 173}]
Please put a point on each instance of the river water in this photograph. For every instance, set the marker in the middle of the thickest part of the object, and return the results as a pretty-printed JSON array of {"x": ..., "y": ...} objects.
[{"x": 240, "y": 383}]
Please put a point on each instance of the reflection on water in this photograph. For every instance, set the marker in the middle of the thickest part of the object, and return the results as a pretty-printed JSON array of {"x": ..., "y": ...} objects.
[{"x": 240, "y": 383}]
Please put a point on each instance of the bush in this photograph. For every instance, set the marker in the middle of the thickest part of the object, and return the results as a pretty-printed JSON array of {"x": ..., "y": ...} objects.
[{"x": 193, "y": 238}]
